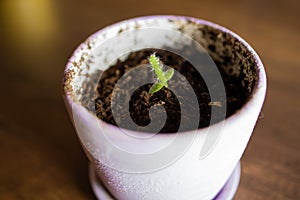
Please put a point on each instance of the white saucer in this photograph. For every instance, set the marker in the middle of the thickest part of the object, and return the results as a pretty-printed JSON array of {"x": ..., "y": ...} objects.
[{"x": 226, "y": 193}]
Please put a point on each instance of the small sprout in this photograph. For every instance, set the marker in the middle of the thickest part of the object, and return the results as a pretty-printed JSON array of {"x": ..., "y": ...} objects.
[{"x": 163, "y": 77}]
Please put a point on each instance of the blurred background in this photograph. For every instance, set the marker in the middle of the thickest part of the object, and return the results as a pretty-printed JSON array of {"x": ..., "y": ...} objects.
[{"x": 40, "y": 155}]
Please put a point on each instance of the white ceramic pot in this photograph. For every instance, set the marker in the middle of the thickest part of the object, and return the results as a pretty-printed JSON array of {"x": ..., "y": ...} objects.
[{"x": 189, "y": 165}]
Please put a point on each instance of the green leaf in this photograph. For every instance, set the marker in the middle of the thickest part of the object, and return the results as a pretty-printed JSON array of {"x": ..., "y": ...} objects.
[
  {"x": 156, "y": 87},
  {"x": 169, "y": 73},
  {"x": 162, "y": 76},
  {"x": 154, "y": 61}
]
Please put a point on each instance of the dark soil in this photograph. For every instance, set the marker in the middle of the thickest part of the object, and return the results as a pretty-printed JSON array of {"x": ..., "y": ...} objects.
[{"x": 141, "y": 100}]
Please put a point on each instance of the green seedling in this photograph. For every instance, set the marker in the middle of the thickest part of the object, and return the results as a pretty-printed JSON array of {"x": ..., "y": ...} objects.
[{"x": 163, "y": 77}]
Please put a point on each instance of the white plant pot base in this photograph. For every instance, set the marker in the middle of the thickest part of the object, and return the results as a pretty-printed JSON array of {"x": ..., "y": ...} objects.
[{"x": 226, "y": 193}]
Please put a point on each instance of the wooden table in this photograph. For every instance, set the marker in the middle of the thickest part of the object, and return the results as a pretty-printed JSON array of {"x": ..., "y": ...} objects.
[{"x": 41, "y": 157}]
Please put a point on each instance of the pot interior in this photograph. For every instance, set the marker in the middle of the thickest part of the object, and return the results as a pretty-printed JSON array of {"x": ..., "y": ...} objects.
[{"x": 104, "y": 48}]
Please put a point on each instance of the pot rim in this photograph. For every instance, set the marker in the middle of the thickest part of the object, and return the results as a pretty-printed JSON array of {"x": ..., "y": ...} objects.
[{"x": 256, "y": 97}]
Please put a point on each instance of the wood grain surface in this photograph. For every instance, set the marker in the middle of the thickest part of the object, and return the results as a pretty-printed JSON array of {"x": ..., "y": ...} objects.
[{"x": 41, "y": 157}]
